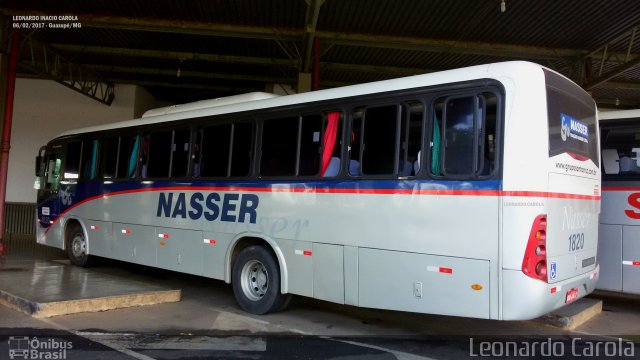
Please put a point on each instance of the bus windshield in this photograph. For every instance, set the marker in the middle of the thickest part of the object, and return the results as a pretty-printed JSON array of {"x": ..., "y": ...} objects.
[{"x": 621, "y": 150}]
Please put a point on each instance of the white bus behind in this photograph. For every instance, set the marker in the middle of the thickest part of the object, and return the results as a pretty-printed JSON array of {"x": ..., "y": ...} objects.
[{"x": 620, "y": 219}]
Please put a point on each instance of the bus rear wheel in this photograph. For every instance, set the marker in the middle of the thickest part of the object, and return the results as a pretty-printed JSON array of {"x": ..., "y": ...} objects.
[
  {"x": 77, "y": 247},
  {"x": 256, "y": 281}
]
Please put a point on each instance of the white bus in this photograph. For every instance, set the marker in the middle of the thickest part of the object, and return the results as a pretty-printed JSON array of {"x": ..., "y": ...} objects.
[
  {"x": 472, "y": 192},
  {"x": 619, "y": 251}
]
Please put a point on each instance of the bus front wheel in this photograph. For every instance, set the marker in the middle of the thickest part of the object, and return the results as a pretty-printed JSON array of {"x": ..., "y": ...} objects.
[
  {"x": 77, "y": 247},
  {"x": 256, "y": 281}
]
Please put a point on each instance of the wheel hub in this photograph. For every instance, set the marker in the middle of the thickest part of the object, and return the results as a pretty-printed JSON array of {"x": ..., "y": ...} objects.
[
  {"x": 255, "y": 280},
  {"x": 78, "y": 246}
]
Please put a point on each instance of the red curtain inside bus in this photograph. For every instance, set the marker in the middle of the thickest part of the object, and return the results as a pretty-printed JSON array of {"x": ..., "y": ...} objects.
[{"x": 329, "y": 140}]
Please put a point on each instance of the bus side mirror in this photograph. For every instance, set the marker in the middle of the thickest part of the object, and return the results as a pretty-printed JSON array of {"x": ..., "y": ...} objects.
[{"x": 38, "y": 162}]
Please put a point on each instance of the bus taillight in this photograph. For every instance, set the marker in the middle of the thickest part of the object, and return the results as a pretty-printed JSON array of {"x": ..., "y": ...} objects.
[{"x": 534, "y": 263}]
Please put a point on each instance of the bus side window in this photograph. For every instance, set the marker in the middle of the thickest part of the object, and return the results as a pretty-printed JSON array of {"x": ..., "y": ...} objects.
[
  {"x": 128, "y": 157},
  {"x": 436, "y": 142},
  {"x": 611, "y": 161},
  {"x": 310, "y": 156},
  {"x": 242, "y": 149},
  {"x": 54, "y": 167},
  {"x": 463, "y": 136},
  {"x": 487, "y": 130},
  {"x": 110, "y": 157},
  {"x": 72, "y": 160},
  {"x": 410, "y": 138},
  {"x": 214, "y": 154},
  {"x": 295, "y": 146},
  {"x": 386, "y": 140},
  {"x": 621, "y": 152},
  {"x": 331, "y": 144},
  {"x": 279, "y": 146},
  {"x": 459, "y": 136},
  {"x": 156, "y": 154},
  {"x": 90, "y": 160},
  {"x": 196, "y": 154},
  {"x": 379, "y": 140},
  {"x": 180, "y": 153},
  {"x": 355, "y": 142}
]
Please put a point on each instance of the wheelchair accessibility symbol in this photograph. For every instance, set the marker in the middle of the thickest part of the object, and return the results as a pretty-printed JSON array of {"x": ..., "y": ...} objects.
[{"x": 553, "y": 271}]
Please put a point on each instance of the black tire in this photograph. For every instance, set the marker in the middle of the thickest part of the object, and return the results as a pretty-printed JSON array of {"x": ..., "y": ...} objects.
[
  {"x": 77, "y": 247},
  {"x": 285, "y": 303},
  {"x": 256, "y": 281}
]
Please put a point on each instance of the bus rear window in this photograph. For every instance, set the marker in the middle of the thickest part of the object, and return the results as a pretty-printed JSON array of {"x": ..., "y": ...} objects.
[{"x": 571, "y": 116}]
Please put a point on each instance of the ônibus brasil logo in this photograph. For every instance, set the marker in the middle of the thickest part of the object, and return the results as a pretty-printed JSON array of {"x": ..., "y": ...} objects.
[{"x": 24, "y": 347}]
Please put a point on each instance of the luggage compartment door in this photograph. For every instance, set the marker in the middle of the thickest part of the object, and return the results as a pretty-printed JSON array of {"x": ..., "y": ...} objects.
[{"x": 423, "y": 283}]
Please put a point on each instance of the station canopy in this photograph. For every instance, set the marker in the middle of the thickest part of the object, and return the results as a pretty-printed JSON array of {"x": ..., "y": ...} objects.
[{"x": 183, "y": 51}]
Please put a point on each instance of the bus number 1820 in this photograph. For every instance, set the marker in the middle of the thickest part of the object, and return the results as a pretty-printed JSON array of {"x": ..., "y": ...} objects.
[{"x": 576, "y": 242}]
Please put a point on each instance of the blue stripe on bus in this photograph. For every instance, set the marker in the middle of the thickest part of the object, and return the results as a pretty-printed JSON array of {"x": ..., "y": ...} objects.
[
  {"x": 88, "y": 190},
  {"x": 84, "y": 191}
]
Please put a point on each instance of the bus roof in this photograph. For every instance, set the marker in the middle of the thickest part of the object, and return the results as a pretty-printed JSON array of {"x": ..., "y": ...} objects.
[
  {"x": 204, "y": 104},
  {"x": 510, "y": 69},
  {"x": 619, "y": 114}
]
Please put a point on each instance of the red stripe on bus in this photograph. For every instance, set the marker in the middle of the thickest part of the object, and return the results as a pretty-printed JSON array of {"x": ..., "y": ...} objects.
[
  {"x": 578, "y": 157},
  {"x": 436, "y": 192},
  {"x": 362, "y": 191},
  {"x": 446, "y": 270},
  {"x": 621, "y": 188}
]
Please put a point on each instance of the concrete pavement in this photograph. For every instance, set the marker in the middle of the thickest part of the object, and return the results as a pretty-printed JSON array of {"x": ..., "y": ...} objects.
[{"x": 208, "y": 312}]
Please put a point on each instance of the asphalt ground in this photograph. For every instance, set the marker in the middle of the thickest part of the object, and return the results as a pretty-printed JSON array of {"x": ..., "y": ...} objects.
[{"x": 207, "y": 323}]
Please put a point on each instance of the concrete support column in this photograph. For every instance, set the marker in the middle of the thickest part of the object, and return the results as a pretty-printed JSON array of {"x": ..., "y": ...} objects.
[
  {"x": 304, "y": 82},
  {"x": 5, "y": 33},
  {"x": 279, "y": 89},
  {"x": 4, "y": 70},
  {"x": 5, "y": 145}
]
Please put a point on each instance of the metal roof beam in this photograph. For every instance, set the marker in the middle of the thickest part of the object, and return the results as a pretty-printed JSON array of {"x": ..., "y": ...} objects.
[
  {"x": 48, "y": 62},
  {"x": 612, "y": 73},
  {"x": 185, "y": 85},
  {"x": 198, "y": 86},
  {"x": 311, "y": 21},
  {"x": 348, "y": 39},
  {"x": 627, "y": 62},
  {"x": 191, "y": 74},
  {"x": 446, "y": 46},
  {"x": 628, "y": 85},
  {"x": 618, "y": 103},
  {"x": 180, "y": 55},
  {"x": 392, "y": 70}
]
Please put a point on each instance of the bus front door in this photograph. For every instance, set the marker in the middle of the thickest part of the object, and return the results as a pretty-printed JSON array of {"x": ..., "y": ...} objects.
[{"x": 48, "y": 199}]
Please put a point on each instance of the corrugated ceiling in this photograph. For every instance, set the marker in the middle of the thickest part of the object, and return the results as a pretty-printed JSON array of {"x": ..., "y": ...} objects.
[{"x": 224, "y": 47}]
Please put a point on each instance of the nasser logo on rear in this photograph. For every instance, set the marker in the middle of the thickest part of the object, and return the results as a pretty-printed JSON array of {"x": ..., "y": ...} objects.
[{"x": 573, "y": 128}]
